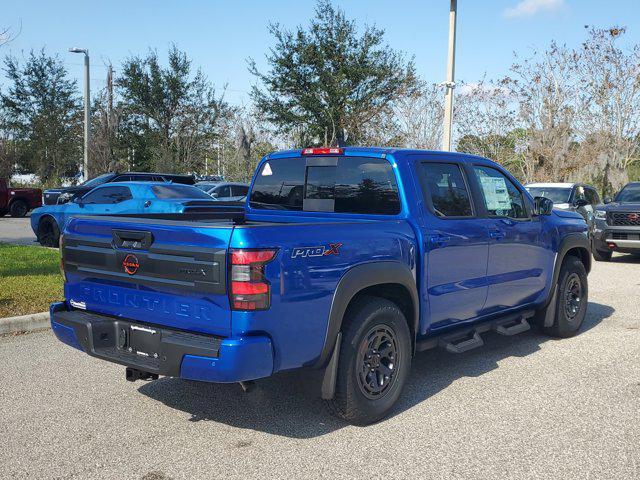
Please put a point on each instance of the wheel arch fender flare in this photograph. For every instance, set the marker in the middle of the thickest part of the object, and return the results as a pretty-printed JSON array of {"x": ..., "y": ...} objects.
[
  {"x": 575, "y": 241},
  {"x": 354, "y": 281}
]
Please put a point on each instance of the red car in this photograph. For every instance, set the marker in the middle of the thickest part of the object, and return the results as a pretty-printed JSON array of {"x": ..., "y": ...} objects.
[{"x": 18, "y": 201}]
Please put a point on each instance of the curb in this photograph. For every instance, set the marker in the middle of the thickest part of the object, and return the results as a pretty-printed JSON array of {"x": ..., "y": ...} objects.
[{"x": 25, "y": 323}]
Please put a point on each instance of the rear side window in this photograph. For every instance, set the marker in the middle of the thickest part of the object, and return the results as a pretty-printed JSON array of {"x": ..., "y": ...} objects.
[
  {"x": 331, "y": 184},
  {"x": 447, "y": 189},
  {"x": 239, "y": 190},
  {"x": 107, "y": 195},
  {"x": 169, "y": 191},
  {"x": 222, "y": 192}
]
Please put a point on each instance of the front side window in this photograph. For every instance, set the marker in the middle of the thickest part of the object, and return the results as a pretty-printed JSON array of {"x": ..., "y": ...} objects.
[
  {"x": 342, "y": 185},
  {"x": 107, "y": 195},
  {"x": 630, "y": 193},
  {"x": 501, "y": 197},
  {"x": 555, "y": 194},
  {"x": 446, "y": 188},
  {"x": 592, "y": 197},
  {"x": 94, "y": 182}
]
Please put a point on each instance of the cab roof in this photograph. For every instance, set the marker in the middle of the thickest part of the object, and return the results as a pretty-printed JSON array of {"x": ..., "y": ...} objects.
[
  {"x": 551, "y": 185},
  {"x": 378, "y": 152}
]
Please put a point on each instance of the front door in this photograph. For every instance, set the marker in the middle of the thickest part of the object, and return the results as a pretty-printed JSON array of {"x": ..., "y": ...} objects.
[
  {"x": 518, "y": 260},
  {"x": 456, "y": 245}
]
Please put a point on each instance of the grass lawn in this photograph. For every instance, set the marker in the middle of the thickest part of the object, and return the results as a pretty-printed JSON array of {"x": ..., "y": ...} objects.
[{"x": 29, "y": 279}]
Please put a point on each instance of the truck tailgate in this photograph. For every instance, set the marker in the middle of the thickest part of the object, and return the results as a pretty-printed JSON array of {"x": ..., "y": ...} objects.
[{"x": 160, "y": 272}]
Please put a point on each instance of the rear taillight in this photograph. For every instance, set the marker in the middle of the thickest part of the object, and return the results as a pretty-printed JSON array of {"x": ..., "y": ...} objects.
[{"x": 250, "y": 289}]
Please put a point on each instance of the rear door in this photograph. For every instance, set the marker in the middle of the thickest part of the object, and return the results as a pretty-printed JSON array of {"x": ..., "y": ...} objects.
[
  {"x": 167, "y": 272},
  {"x": 519, "y": 259},
  {"x": 457, "y": 245}
]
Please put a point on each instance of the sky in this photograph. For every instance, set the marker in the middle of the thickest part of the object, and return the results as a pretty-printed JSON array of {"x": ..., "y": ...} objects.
[{"x": 219, "y": 36}]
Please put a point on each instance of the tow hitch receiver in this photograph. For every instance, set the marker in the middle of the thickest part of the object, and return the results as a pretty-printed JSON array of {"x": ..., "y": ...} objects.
[{"x": 134, "y": 374}]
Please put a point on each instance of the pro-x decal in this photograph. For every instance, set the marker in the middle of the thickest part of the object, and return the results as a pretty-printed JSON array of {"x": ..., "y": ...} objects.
[{"x": 305, "y": 252}]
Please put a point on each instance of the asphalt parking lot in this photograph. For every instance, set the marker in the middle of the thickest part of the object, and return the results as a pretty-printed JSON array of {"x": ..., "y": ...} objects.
[
  {"x": 521, "y": 407},
  {"x": 17, "y": 231}
]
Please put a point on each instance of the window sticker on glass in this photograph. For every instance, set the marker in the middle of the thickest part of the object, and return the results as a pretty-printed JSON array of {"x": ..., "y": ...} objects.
[
  {"x": 495, "y": 193},
  {"x": 266, "y": 170}
]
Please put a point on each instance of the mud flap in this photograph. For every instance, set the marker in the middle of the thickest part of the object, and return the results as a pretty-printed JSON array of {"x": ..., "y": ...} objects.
[
  {"x": 550, "y": 312},
  {"x": 331, "y": 371}
]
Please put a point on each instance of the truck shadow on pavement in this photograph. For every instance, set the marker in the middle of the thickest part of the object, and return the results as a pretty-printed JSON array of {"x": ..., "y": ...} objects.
[
  {"x": 625, "y": 258},
  {"x": 288, "y": 404}
]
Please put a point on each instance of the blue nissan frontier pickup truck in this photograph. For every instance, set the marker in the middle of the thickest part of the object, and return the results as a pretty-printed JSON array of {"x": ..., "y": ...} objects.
[{"x": 349, "y": 260}]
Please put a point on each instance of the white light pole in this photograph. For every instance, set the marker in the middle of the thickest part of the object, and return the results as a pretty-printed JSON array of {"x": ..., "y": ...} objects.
[
  {"x": 87, "y": 111},
  {"x": 450, "y": 83}
]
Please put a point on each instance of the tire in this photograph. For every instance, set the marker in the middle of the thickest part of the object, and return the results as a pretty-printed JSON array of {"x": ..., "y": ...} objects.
[
  {"x": 18, "y": 209},
  {"x": 600, "y": 256},
  {"x": 361, "y": 397},
  {"x": 571, "y": 300},
  {"x": 3, "y": 212},
  {"x": 48, "y": 232}
]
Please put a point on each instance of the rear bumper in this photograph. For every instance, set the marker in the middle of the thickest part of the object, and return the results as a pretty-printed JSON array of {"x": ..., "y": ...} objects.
[{"x": 179, "y": 353}]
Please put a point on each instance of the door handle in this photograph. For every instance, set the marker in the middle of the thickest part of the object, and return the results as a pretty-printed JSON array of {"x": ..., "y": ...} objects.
[
  {"x": 496, "y": 234},
  {"x": 438, "y": 240}
]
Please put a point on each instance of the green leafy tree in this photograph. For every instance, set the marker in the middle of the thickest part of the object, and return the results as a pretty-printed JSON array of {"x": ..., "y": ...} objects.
[
  {"x": 171, "y": 115},
  {"x": 41, "y": 112},
  {"x": 329, "y": 85}
]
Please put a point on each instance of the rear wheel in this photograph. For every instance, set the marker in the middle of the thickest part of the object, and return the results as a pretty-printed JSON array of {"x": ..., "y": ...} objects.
[
  {"x": 18, "y": 209},
  {"x": 374, "y": 361},
  {"x": 571, "y": 299},
  {"x": 48, "y": 232}
]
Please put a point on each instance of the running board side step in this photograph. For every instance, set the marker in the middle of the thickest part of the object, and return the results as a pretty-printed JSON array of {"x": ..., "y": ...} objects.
[
  {"x": 512, "y": 327},
  {"x": 467, "y": 339},
  {"x": 461, "y": 342}
]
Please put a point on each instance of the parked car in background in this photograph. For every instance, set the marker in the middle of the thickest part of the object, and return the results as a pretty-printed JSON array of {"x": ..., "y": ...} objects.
[
  {"x": 55, "y": 196},
  {"x": 18, "y": 201},
  {"x": 576, "y": 197},
  {"x": 119, "y": 198},
  {"x": 617, "y": 224},
  {"x": 210, "y": 178},
  {"x": 225, "y": 191}
]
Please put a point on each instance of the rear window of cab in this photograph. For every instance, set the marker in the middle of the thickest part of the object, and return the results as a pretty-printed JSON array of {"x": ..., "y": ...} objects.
[{"x": 327, "y": 184}]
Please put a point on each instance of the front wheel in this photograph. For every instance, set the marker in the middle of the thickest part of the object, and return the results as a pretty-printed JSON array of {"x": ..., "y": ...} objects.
[
  {"x": 374, "y": 361},
  {"x": 48, "y": 232},
  {"x": 571, "y": 300}
]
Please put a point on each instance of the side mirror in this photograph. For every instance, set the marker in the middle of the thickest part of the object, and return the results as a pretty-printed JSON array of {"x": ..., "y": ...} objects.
[
  {"x": 608, "y": 199},
  {"x": 78, "y": 201},
  {"x": 581, "y": 202},
  {"x": 214, "y": 194},
  {"x": 542, "y": 206}
]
